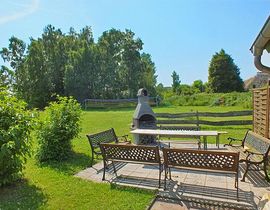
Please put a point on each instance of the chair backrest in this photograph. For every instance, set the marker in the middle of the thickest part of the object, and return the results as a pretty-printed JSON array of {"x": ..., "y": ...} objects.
[
  {"x": 257, "y": 142},
  {"x": 136, "y": 153},
  {"x": 106, "y": 136},
  {"x": 201, "y": 159}
]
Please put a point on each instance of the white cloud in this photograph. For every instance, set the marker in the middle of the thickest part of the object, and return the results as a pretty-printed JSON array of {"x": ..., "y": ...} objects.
[{"x": 31, "y": 8}]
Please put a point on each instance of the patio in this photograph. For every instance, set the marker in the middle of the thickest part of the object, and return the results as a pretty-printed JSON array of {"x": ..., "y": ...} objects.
[{"x": 187, "y": 189}]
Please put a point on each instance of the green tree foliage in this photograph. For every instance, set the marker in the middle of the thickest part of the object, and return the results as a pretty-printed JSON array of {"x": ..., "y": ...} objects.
[
  {"x": 16, "y": 124},
  {"x": 60, "y": 126},
  {"x": 175, "y": 82},
  {"x": 198, "y": 86},
  {"x": 123, "y": 69},
  {"x": 186, "y": 90},
  {"x": 224, "y": 75},
  {"x": 15, "y": 53},
  {"x": 34, "y": 82},
  {"x": 81, "y": 70},
  {"x": 160, "y": 88},
  {"x": 149, "y": 79},
  {"x": 6, "y": 77},
  {"x": 73, "y": 64}
]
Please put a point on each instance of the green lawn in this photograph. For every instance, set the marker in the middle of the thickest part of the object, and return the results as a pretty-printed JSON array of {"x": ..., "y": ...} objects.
[{"x": 52, "y": 186}]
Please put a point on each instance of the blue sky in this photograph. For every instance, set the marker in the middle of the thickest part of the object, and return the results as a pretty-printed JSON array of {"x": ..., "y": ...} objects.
[{"x": 180, "y": 35}]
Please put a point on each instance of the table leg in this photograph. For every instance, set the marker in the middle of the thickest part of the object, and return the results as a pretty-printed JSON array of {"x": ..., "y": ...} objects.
[
  {"x": 205, "y": 142},
  {"x": 136, "y": 138}
]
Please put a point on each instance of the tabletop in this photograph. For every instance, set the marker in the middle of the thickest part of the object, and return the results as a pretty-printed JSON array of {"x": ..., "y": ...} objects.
[{"x": 174, "y": 132}]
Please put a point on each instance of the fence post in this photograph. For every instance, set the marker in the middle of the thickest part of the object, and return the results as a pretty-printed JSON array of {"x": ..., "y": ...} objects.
[{"x": 197, "y": 118}]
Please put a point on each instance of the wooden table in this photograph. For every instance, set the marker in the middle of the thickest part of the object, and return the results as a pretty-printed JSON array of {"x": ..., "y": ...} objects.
[{"x": 175, "y": 133}]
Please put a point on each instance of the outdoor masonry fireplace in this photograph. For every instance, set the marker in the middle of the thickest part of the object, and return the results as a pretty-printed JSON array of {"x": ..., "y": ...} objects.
[{"x": 144, "y": 118}]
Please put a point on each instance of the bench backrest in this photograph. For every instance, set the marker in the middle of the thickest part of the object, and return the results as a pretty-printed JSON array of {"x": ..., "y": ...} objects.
[
  {"x": 106, "y": 136},
  {"x": 136, "y": 153},
  {"x": 199, "y": 159},
  {"x": 257, "y": 142}
]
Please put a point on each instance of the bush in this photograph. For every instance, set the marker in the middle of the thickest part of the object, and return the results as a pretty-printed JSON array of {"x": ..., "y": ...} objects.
[
  {"x": 60, "y": 126},
  {"x": 211, "y": 99},
  {"x": 16, "y": 123}
]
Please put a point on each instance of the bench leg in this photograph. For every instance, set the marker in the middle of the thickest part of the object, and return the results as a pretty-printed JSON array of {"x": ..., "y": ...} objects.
[
  {"x": 244, "y": 175},
  {"x": 104, "y": 169},
  {"x": 167, "y": 170},
  {"x": 114, "y": 169},
  {"x": 265, "y": 171},
  {"x": 159, "y": 178},
  {"x": 237, "y": 186},
  {"x": 92, "y": 160},
  {"x": 237, "y": 193},
  {"x": 165, "y": 178},
  {"x": 199, "y": 143}
]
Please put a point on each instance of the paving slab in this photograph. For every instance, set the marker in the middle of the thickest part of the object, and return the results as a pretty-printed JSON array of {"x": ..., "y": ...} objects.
[{"x": 187, "y": 189}]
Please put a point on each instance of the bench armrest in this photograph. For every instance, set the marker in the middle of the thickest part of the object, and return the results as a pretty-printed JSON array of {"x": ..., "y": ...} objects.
[
  {"x": 123, "y": 138},
  {"x": 234, "y": 139},
  {"x": 231, "y": 140}
]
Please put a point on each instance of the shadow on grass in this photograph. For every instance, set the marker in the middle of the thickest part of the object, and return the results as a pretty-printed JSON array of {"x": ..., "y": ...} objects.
[
  {"x": 72, "y": 165},
  {"x": 132, "y": 189},
  {"x": 21, "y": 195}
]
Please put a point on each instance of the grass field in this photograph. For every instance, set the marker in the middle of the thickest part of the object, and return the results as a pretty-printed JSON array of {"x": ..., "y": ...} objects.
[{"x": 53, "y": 186}]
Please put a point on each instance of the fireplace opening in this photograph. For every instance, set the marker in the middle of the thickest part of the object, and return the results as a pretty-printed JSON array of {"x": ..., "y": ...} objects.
[{"x": 147, "y": 122}]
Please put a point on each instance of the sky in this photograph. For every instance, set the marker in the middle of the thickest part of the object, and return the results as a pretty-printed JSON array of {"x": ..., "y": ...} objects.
[{"x": 180, "y": 35}]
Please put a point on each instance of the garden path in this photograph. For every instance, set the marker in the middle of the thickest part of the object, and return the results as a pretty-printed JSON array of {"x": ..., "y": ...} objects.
[{"x": 187, "y": 189}]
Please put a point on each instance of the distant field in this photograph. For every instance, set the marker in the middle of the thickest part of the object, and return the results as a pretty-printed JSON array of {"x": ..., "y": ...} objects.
[{"x": 54, "y": 187}]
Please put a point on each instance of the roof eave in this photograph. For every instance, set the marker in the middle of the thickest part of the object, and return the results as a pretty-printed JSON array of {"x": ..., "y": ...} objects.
[{"x": 262, "y": 39}]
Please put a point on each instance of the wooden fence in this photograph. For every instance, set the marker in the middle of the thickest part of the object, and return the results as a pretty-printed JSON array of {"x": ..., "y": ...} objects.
[
  {"x": 194, "y": 118},
  {"x": 261, "y": 102},
  {"x": 91, "y": 103}
]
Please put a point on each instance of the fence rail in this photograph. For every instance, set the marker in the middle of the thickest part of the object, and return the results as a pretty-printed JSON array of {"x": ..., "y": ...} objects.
[
  {"x": 175, "y": 119},
  {"x": 87, "y": 103}
]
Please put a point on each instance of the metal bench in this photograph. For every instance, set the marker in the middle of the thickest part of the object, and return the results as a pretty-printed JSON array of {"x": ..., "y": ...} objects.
[
  {"x": 253, "y": 150},
  {"x": 130, "y": 154},
  {"x": 213, "y": 161},
  {"x": 106, "y": 136}
]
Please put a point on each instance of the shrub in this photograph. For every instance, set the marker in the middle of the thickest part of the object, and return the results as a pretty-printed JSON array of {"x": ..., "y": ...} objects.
[
  {"x": 59, "y": 126},
  {"x": 211, "y": 99},
  {"x": 16, "y": 123}
]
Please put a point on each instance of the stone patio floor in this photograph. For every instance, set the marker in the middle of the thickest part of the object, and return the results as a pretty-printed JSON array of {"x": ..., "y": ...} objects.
[{"x": 187, "y": 189}]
